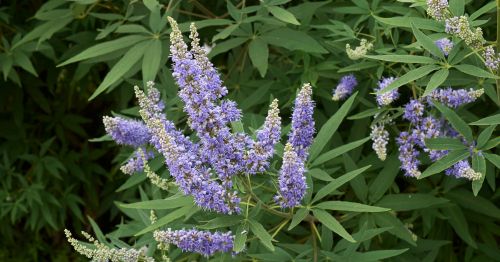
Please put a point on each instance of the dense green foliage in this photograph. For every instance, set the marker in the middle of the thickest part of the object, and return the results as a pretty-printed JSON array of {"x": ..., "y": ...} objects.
[{"x": 65, "y": 64}]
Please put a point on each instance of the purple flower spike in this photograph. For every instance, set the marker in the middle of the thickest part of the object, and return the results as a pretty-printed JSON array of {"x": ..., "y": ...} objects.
[
  {"x": 462, "y": 169},
  {"x": 292, "y": 182},
  {"x": 126, "y": 132},
  {"x": 202, "y": 242},
  {"x": 388, "y": 97},
  {"x": 301, "y": 134},
  {"x": 437, "y": 9},
  {"x": 344, "y": 88},
  {"x": 408, "y": 154},
  {"x": 455, "y": 97}
]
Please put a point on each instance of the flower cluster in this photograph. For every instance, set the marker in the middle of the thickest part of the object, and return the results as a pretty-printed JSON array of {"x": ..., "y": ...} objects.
[
  {"x": 424, "y": 127},
  {"x": 103, "y": 253},
  {"x": 360, "y": 51},
  {"x": 491, "y": 59},
  {"x": 437, "y": 9},
  {"x": 380, "y": 138},
  {"x": 205, "y": 169},
  {"x": 460, "y": 27},
  {"x": 386, "y": 98},
  {"x": 203, "y": 242},
  {"x": 344, "y": 88},
  {"x": 445, "y": 45}
]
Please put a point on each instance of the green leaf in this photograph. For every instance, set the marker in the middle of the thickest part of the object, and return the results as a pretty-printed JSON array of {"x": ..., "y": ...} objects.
[
  {"x": 350, "y": 206},
  {"x": 384, "y": 179},
  {"x": 444, "y": 143},
  {"x": 123, "y": 65},
  {"x": 151, "y": 60},
  {"x": 329, "y": 221},
  {"x": 397, "y": 228},
  {"x": 490, "y": 120},
  {"x": 445, "y": 162},
  {"x": 457, "y": 7},
  {"x": 225, "y": 221},
  {"x": 408, "y": 77},
  {"x": 132, "y": 181},
  {"x": 377, "y": 255},
  {"x": 479, "y": 165},
  {"x": 332, "y": 186},
  {"x": 339, "y": 151},
  {"x": 283, "y": 15},
  {"x": 407, "y": 21},
  {"x": 436, "y": 80},
  {"x": 105, "y": 48},
  {"x": 225, "y": 32},
  {"x": 455, "y": 121},
  {"x": 494, "y": 142},
  {"x": 259, "y": 54},
  {"x": 475, "y": 71},
  {"x": 358, "y": 66},
  {"x": 483, "y": 10},
  {"x": 261, "y": 233},
  {"x": 97, "y": 231},
  {"x": 226, "y": 45},
  {"x": 159, "y": 204},
  {"x": 494, "y": 159},
  {"x": 459, "y": 224},
  {"x": 320, "y": 174},
  {"x": 300, "y": 215},
  {"x": 240, "y": 238},
  {"x": 366, "y": 113},
  {"x": 426, "y": 42},
  {"x": 474, "y": 203},
  {"x": 330, "y": 127},
  {"x": 485, "y": 135},
  {"x": 293, "y": 40},
  {"x": 166, "y": 219},
  {"x": 406, "y": 202},
  {"x": 403, "y": 59}
]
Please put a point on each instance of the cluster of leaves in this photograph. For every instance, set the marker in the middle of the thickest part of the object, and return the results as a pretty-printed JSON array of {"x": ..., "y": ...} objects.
[{"x": 357, "y": 207}]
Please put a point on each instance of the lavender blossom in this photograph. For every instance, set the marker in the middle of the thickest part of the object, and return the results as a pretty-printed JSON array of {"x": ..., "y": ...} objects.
[
  {"x": 259, "y": 153},
  {"x": 388, "y": 97},
  {"x": 200, "y": 87},
  {"x": 126, "y": 132},
  {"x": 408, "y": 154},
  {"x": 429, "y": 127},
  {"x": 437, "y": 9},
  {"x": 345, "y": 87},
  {"x": 445, "y": 45},
  {"x": 462, "y": 169},
  {"x": 292, "y": 182},
  {"x": 414, "y": 111},
  {"x": 492, "y": 59},
  {"x": 455, "y": 97},
  {"x": 184, "y": 163},
  {"x": 301, "y": 134},
  {"x": 202, "y": 242},
  {"x": 380, "y": 138}
]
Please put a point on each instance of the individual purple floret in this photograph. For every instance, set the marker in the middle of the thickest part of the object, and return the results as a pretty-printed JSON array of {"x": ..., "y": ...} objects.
[
  {"x": 462, "y": 169},
  {"x": 414, "y": 111},
  {"x": 437, "y": 9},
  {"x": 301, "y": 134},
  {"x": 126, "y": 131},
  {"x": 491, "y": 59},
  {"x": 292, "y": 182},
  {"x": 202, "y": 242},
  {"x": 408, "y": 154},
  {"x": 455, "y": 97},
  {"x": 429, "y": 127},
  {"x": 260, "y": 151},
  {"x": 344, "y": 88},
  {"x": 386, "y": 98},
  {"x": 445, "y": 45}
]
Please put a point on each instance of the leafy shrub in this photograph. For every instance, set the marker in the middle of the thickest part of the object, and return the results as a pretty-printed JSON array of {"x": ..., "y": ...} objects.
[{"x": 357, "y": 204}]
